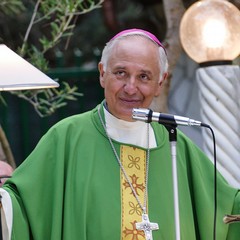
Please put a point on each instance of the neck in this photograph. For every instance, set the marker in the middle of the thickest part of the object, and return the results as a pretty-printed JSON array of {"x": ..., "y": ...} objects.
[{"x": 129, "y": 132}]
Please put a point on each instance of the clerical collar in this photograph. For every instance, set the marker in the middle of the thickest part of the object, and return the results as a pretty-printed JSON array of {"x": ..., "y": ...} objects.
[{"x": 128, "y": 132}]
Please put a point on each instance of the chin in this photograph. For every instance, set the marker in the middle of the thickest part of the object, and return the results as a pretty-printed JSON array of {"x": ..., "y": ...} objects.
[{"x": 127, "y": 117}]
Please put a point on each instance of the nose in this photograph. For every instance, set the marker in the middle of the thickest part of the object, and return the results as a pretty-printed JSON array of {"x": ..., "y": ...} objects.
[{"x": 130, "y": 86}]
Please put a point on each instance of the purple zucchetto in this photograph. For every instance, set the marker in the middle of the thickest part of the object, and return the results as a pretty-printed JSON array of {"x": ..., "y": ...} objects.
[{"x": 139, "y": 31}]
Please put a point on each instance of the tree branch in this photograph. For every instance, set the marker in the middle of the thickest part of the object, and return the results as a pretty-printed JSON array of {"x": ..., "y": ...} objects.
[
  {"x": 174, "y": 11},
  {"x": 7, "y": 149}
]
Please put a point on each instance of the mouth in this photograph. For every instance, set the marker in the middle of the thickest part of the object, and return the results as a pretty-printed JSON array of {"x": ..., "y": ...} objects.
[{"x": 128, "y": 101}]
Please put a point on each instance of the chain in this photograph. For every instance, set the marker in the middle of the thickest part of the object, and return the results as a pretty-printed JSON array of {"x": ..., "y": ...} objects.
[{"x": 143, "y": 207}]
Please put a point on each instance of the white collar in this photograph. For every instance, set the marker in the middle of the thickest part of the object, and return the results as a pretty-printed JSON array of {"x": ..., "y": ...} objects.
[{"x": 129, "y": 132}]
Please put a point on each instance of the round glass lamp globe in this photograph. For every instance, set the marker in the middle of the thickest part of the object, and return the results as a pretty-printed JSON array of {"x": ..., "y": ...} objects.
[{"x": 210, "y": 31}]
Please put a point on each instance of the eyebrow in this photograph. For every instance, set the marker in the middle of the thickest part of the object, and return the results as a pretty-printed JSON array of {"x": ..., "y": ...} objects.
[
  {"x": 119, "y": 67},
  {"x": 148, "y": 72}
]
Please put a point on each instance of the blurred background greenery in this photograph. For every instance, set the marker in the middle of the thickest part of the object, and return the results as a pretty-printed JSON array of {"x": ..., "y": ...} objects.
[{"x": 64, "y": 39}]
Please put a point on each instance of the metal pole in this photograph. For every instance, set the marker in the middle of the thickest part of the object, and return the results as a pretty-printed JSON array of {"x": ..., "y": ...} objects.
[{"x": 173, "y": 145}]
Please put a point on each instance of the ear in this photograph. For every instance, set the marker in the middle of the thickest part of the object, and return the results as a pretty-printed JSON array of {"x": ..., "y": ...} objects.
[
  {"x": 101, "y": 74},
  {"x": 160, "y": 84}
]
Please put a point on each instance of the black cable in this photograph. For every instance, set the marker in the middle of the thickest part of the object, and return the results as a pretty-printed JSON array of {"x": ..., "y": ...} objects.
[{"x": 215, "y": 180}]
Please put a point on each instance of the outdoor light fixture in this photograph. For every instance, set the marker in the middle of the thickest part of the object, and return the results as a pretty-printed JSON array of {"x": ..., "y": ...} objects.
[
  {"x": 18, "y": 74},
  {"x": 210, "y": 31},
  {"x": 210, "y": 35}
]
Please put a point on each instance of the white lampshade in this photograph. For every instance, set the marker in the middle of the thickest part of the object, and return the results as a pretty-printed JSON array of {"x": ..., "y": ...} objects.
[
  {"x": 18, "y": 74},
  {"x": 210, "y": 31}
]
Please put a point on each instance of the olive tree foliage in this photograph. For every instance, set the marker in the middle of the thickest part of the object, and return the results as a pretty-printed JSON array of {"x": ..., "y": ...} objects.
[
  {"x": 11, "y": 6},
  {"x": 59, "y": 16}
]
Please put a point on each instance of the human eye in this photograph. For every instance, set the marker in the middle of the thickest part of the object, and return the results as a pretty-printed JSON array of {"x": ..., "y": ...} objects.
[
  {"x": 144, "y": 77},
  {"x": 120, "y": 74}
]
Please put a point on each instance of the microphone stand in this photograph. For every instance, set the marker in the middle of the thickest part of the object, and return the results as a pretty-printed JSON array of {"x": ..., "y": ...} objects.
[{"x": 172, "y": 129}]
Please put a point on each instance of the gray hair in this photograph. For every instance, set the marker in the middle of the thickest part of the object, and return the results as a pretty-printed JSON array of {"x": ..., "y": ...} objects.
[{"x": 163, "y": 61}]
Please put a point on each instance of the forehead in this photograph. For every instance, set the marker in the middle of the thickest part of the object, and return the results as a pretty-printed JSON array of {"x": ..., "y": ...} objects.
[
  {"x": 134, "y": 49},
  {"x": 135, "y": 42}
]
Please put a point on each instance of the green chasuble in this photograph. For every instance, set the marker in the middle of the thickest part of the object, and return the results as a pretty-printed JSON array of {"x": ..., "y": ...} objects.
[{"x": 69, "y": 188}]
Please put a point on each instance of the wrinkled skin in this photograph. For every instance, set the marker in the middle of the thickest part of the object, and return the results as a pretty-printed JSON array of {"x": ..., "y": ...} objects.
[{"x": 132, "y": 76}]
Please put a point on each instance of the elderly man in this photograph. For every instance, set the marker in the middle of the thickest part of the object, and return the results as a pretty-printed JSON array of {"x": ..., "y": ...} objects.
[{"x": 109, "y": 176}]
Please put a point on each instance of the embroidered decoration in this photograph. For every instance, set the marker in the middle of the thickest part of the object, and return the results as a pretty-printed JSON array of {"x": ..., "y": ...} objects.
[{"x": 134, "y": 163}]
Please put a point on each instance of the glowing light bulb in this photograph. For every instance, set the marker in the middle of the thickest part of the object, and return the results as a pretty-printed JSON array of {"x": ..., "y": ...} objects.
[
  {"x": 209, "y": 31},
  {"x": 214, "y": 33}
]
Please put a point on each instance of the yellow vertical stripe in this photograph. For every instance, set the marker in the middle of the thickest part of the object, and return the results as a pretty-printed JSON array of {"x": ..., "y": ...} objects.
[{"x": 134, "y": 163}]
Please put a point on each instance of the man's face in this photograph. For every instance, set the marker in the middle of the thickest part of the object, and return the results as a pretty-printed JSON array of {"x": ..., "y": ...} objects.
[{"x": 132, "y": 75}]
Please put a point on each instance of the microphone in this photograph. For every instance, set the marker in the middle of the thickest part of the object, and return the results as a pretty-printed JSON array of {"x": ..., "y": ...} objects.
[{"x": 147, "y": 115}]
